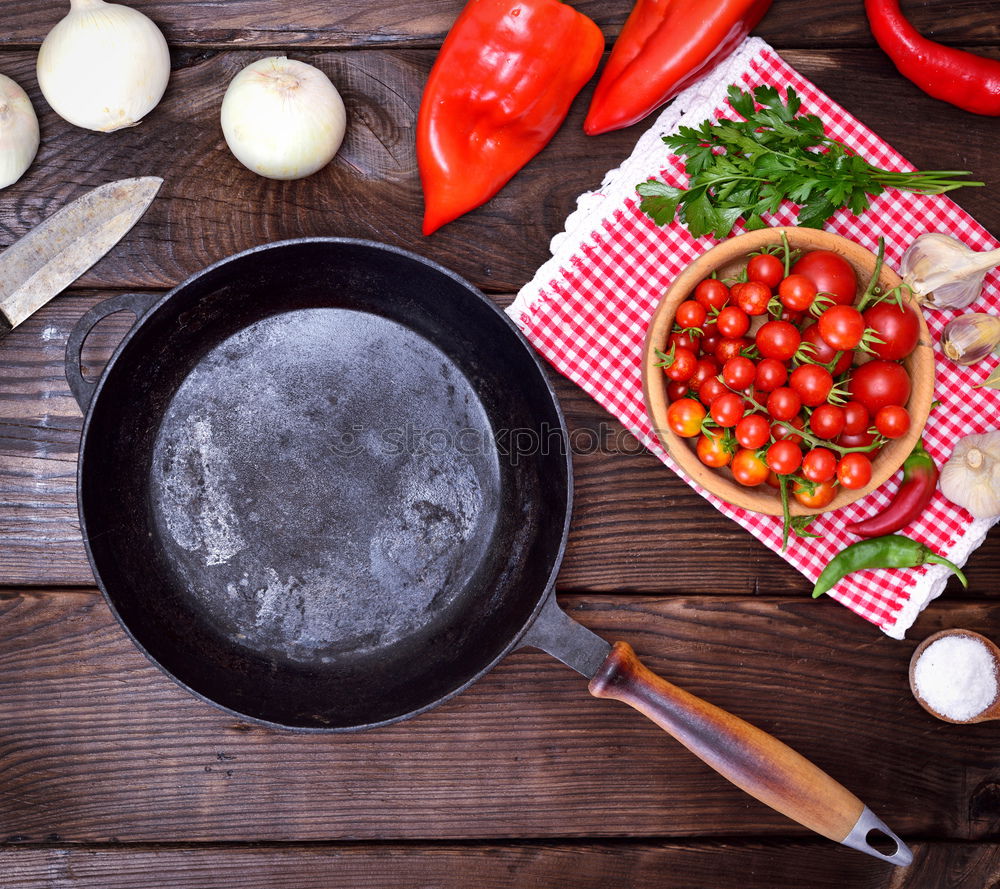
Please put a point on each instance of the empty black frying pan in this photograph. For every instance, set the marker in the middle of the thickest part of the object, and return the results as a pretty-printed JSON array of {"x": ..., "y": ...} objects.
[{"x": 325, "y": 484}]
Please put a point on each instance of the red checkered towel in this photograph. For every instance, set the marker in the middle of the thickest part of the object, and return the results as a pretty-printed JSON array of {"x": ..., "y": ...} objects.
[{"x": 587, "y": 308}]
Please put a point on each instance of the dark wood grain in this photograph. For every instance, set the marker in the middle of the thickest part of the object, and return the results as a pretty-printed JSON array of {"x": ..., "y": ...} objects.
[
  {"x": 98, "y": 746},
  {"x": 312, "y": 23},
  {"x": 638, "y": 865},
  {"x": 210, "y": 206}
]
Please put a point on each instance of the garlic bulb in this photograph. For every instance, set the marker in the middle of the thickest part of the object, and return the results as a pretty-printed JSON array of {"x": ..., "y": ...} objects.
[
  {"x": 943, "y": 273},
  {"x": 18, "y": 132},
  {"x": 283, "y": 119},
  {"x": 971, "y": 477},
  {"x": 104, "y": 66},
  {"x": 971, "y": 337}
]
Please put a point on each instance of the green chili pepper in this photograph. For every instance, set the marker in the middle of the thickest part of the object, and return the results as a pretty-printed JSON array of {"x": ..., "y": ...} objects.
[{"x": 890, "y": 551}]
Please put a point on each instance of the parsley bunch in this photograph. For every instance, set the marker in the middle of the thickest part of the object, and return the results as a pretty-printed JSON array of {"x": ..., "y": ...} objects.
[{"x": 745, "y": 168}]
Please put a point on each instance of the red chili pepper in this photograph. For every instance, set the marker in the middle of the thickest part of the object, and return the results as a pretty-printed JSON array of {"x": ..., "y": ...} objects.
[
  {"x": 664, "y": 46},
  {"x": 920, "y": 477},
  {"x": 962, "y": 78},
  {"x": 499, "y": 89}
]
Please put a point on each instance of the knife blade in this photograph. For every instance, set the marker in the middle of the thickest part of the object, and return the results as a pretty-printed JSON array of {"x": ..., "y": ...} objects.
[{"x": 56, "y": 252}]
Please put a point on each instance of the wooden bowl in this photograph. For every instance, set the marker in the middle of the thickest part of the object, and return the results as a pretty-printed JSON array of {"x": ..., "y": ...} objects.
[{"x": 727, "y": 259}]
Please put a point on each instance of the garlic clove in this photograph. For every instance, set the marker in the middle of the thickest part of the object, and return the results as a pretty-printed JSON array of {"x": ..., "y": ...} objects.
[
  {"x": 104, "y": 66},
  {"x": 971, "y": 337},
  {"x": 18, "y": 132},
  {"x": 943, "y": 272}
]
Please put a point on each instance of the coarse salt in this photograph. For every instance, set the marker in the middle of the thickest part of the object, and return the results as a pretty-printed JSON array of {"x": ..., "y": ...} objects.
[{"x": 956, "y": 677}]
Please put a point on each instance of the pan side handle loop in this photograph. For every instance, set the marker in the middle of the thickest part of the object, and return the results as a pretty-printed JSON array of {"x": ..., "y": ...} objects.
[
  {"x": 136, "y": 303},
  {"x": 753, "y": 760}
]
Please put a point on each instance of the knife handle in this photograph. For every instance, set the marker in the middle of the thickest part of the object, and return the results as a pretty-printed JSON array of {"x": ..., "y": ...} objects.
[
  {"x": 750, "y": 758},
  {"x": 139, "y": 304}
]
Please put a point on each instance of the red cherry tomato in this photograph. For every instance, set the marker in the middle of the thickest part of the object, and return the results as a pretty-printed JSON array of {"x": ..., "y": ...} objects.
[
  {"x": 778, "y": 340},
  {"x": 684, "y": 417},
  {"x": 713, "y": 450},
  {"x": 677, "y": 390},
  {"x": 706, "y": 368},
  {"x": 781, "y": 432},
  {"x": 830, "y": 273},
  {"x": 727, "y": 410},
  {"x": 821, "y": 495},
  {"x": 711, "y": 389},
  {"x": 784, "y": 457},
  {"x": 738, "y": 373},
  {"x": 712, "y": 293},
  {"x": 898, "y": 327},
  {"x": 857, "y": 440},
  {"x": 855, "y": 418},
  {"x": 783, "y": 403},
  {"x": 827, "y": 421},
  {"x": 878, "y": 383},
  {"x": 842, "y": 327},
  {"x": 796, "y": 293},
  {"x": 690, "y": 314},
  {"x": 685, "y": 340},
  {"x": 819, "y": 465},
  {"x": 748, "y": 469},
  {"x": 681, "y": 365},
  {"x": 812, "y": 383},
  {"x": 753, "y": 298},
  {"x": 732, "y": 321},
  {"x": 753, "y": 431},
  {"x": 823, "y": 353},
  {"x": 731, "y": 347},
  {"x": 892, "y": 421},
  {"x": 765, "y": 268},
  {"x": 854, "y": 471},
  {"x": 710, "y": 342},
  {"x": 771, "y": 374}
]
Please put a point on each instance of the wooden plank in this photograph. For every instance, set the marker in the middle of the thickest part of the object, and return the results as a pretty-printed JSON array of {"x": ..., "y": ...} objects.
[
  {"x": 302, "y": 23},
  {"x": 98, "y": 746},
  {"x": 635, "y": 523},
  {"x": 720, "y": 865},
  {"x": 210, "y": 206}
]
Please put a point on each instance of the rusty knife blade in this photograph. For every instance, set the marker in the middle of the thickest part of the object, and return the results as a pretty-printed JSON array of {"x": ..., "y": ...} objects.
[{"x": 56, "y": 252}]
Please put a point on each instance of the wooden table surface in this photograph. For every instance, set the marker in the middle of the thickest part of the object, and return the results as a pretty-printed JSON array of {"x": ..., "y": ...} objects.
[{"x": 112, "y": 776}]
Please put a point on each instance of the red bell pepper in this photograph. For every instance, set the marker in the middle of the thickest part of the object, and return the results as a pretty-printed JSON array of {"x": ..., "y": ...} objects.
[
  {"x": 499, "y": 89},
  {"x": 664, "y": 46}
]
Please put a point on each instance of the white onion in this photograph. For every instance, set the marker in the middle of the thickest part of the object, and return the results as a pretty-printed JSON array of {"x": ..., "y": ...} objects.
[{"x": 283, "y": 119}]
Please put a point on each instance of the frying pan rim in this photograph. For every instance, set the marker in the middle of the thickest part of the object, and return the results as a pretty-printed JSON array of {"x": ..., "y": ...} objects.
[{"x": 547, "y": 589}]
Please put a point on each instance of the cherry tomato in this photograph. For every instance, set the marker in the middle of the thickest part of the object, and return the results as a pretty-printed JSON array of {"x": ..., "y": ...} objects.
[
  {"x": 712, "y": 293},
  {"x": 690, "y": 314},
  {"x": 771, "y": 373},
  {"x": 753, "y": 431},
  {"x": 732, "y": 321},
  {"x": 710, "y": 342},
  {"x": 685, "y": 340},
  {"x": 857, "y": 440},
  {"x": 819, "y": 465},
  {"x": 898, "y": 326},
  {"x": 892, "y": 421},
  {"x": 855, "y": 418},
  {"x": 681, "y": 365},
  {"x": 738, "y": 372},
  {"x": 748, "y": 469},
  {"x": 713, "y": 450},
  {"x": 677, "y": 390},
  {"x": 706, "y": 368},
  {"x": 711, "y": 389},
  {"x": 823, "y": 353},
  {"x": 765, "y": 268},
  {"x": 731, "y": 347},
  {"x": 854, "y": 471},
  {"x": 830, "y": 273},
  {"x": 827, "y": 421},
  {"x": 727, "y": 410},
  {"x": 797, "y": 293},
  {"x": 778, "y": 339},
  {"x": 812, "y": 383},
  {"x": 783, "y": 403},
  {"x": 878, "y": 383},
  {"x": 781, "y": 432},
  {"x": 842, "y": 327},
  {"x": 784, "y": 457},
  {"x": 684, "y": 417},
  {"x": 773, "y": 480},
  {"x": 753, "y": 298},
  {"x": 821, "y": 495}
]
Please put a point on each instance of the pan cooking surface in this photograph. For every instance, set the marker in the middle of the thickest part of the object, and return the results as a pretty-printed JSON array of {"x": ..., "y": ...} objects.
[{"x": 315, "y": 494}]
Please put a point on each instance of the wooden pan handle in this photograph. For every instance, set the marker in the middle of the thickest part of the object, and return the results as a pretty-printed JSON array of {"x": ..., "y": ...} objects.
[{"x": 750, "y": 758}]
